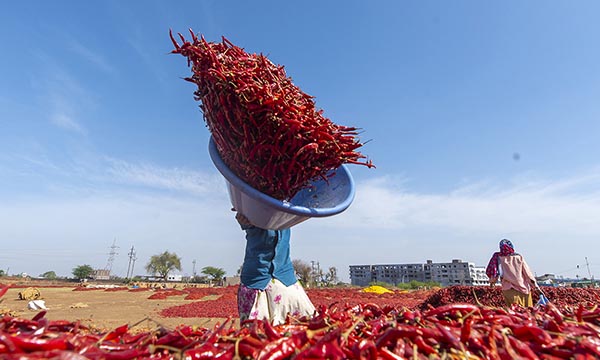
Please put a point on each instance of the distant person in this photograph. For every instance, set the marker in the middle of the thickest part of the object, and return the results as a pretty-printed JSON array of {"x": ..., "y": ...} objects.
[
  {"x": 514, "y": 274},
  {"x": 269, "y": 288}
]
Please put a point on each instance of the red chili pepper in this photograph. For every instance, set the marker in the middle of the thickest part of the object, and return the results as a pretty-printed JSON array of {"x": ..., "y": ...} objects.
[
  {"x": 8, "y": 344},
  {"x": 39, "y": 316},
  {"x": 283, "y": 348},
  {"x": 507, "y": 349},
  {"x": 555, "y": 313},
  {"x": 116, "y": 333},
  {"x": 61, "y": 325},
  {"x": 271, "y": 333},
  {"x": 423, "y": 346},
  {"x": 248, "y": 346},
  {"x": 532, "y": 332},
  {"x": 388, "y": 355},
  {"x": 465, "y": 331},
  {"x": 393, "y": 334},
  {"x": 557, "y": 353},
  {"x": 593, "y": 346},
  {"x": 365, "y": 350},
  {"x": 477, "y": 345},
  {"x": 467, "y": 308},
  {"x": 448, "y": 336},
  {"x": 579, "y": 313},
  {"x": 205, "y": 352},
  {"x": 327, "y": 347},
  {"x": 523, "y": 349},
  {"x": 583, "y": 330},
  {"x": 30, "y": 343},
  {"x": 552, "y": 325},
  {"x": 170, "y": 339},
  {"x": 126, "y": 354}
]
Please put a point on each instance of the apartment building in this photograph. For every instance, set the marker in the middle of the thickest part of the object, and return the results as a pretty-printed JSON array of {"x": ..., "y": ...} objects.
[{"x": 456, "y": 272}]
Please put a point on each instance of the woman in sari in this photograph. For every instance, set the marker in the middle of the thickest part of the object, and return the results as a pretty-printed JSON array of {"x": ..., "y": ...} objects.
[{"x": 515, "y": 276}]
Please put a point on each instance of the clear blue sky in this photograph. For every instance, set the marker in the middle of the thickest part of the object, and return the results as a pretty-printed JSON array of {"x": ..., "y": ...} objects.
[{"x": 482, "y": 120}]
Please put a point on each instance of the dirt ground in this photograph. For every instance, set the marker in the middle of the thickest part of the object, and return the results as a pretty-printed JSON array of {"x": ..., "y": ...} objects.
[{"x": 104, "y": 310}]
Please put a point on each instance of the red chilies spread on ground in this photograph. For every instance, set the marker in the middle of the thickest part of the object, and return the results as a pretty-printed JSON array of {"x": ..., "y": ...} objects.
[
  {"x": 363, "y": 330},
  {"x": 266, "y": 129}
]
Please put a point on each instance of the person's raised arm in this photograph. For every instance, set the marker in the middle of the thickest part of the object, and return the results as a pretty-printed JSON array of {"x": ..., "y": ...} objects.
[{"x": 243, "y": 221}]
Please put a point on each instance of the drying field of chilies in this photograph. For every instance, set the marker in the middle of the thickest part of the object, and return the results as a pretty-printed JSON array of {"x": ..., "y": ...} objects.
[{"x": 457, "y": 322}]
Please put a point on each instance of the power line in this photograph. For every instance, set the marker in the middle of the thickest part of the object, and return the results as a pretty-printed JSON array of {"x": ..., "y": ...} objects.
[{"x": 568, "y": 270}]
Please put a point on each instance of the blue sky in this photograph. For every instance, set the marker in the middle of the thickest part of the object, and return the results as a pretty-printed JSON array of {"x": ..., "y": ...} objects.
[{"x": 482, "y": 120}]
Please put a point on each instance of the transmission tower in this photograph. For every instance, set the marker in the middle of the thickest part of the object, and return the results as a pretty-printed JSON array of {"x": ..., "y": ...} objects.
[
  {"x": 132, "y": 259},
  {"x": 133, "y": 264},
  {"x": 316, "y": 273},
  {"x": 111, "y": 256},
  {"x": 588, "y": 269}
]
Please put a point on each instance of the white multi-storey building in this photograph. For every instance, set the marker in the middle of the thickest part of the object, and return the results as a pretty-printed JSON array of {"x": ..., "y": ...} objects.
[
  {"x": 456, "y": 272},
  {"x": 360, "y": 275}
]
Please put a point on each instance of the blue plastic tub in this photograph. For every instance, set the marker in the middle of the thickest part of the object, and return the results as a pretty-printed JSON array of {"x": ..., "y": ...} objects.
[{"x": 320, "y": 199}]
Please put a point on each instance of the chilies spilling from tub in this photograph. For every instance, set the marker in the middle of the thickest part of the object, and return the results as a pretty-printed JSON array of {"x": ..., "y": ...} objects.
[{"x": 266, "y": 129}]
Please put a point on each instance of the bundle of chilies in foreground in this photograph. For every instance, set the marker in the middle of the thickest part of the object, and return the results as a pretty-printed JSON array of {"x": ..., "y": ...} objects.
[
  {"x": 367, "y": 331},
  {"x": 267, "y": 131}
]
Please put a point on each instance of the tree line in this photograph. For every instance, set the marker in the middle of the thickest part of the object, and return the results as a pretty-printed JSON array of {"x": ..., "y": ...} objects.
[
  {"x": 165, "y": 263},
  {"x": 160, "y": 266}
]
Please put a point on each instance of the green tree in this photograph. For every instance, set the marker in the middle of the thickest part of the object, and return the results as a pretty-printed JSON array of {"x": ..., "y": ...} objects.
[
  {"x": 83, "y": 271},
  {"x": 163, "y": 264},
  {"x": 215, "y": 274},
  {"x": 50, "y": 275},
  {"x": 303, "y": 272},
  {"x": 2, "y": 273},
  {"x": 331, "y": 277},
  {"x": 200, "y": 279}
]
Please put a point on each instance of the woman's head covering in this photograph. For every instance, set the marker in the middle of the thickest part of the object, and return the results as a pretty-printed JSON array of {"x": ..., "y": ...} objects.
[{"x": 506, "y": 249}]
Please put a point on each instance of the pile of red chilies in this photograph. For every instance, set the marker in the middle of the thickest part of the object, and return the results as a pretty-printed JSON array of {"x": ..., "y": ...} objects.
[
  {"x": 265, "y": 128},
  {"x": 367, "y": 331}
]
